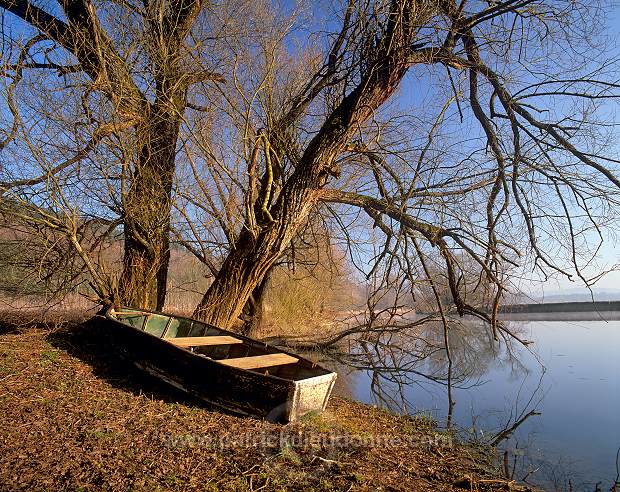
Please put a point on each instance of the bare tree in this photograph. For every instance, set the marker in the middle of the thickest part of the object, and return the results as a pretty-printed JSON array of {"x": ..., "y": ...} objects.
[
  {"x": 130, "y": 66},
  {"x": 521, "y": 180}
]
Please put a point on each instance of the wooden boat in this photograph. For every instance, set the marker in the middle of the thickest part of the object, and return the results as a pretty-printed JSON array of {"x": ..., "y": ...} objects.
[{"x": 219, "y": 366}]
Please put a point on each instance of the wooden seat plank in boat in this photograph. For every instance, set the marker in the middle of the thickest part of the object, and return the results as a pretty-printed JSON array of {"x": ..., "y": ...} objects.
[
  {"x": 202, "y": 341},
  {"x": 260, "y": 361}
]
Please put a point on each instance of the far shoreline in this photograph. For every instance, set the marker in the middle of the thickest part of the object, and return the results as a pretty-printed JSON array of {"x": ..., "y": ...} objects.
[{"x": 562, "y": 311}]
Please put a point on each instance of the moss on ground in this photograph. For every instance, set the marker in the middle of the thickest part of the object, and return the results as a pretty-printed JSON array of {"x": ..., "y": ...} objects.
[{"x": 75, "y": 417}]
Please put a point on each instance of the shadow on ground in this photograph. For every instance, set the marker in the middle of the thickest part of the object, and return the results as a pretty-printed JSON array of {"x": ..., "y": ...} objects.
[{"x": 88, "y": 341}]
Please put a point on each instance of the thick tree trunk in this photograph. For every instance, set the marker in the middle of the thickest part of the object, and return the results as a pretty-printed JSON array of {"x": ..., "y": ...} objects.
[
  {"x": 254, "y": 310},
  {"x": 147, "y": 205},
  {"x": 241, "y": 273},
  {"x": 255, "y": 254}
]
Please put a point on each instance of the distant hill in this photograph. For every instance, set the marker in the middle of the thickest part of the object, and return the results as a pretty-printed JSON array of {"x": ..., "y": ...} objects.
[{"x": 570, "y": 295}]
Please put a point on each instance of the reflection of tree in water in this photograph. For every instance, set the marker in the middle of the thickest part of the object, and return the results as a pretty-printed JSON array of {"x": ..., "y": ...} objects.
[
  {"x": 473, "y": 349},
  {"x": 406, "y": 353},
  {"x": 396, "y": 355},
  {"x": 403, "y": 354}
]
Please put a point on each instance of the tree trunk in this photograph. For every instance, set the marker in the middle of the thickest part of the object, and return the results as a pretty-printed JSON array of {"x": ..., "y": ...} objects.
[
  {"x": 241, "y": 273},
  {"x": 256, "y": 251},
  {"x": 253, "y": 312},
  {"x": 147, "y": 206}
]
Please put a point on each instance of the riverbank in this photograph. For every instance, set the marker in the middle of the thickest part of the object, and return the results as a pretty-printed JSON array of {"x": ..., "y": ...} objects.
[
  {"x": 562, "y": 311},
  {"x": 77, "y": 418}
]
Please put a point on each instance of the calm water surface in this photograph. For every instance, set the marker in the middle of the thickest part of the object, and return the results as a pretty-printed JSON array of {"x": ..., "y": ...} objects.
[{"x": 570, "y": 375}]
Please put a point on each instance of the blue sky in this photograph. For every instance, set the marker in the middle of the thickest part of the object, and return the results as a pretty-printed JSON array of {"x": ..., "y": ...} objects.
[{"x": 609, "y": 254}]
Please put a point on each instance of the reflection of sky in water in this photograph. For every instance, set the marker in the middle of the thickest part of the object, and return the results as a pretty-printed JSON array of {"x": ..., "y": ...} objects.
[{"x": 578, "y": 432}]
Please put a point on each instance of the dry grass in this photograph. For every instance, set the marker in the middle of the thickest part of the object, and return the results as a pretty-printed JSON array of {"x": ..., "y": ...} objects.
[
  {"x": 30, "y": 310},
  {"x": 77, "y": 418}
]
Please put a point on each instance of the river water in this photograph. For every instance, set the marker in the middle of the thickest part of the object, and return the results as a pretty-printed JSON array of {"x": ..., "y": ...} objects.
[{"x": 569, "y": 377}]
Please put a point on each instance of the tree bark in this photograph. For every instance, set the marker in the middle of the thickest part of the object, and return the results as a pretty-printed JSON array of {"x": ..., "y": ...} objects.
[
  {"x": 254, "y": 310},
  {"x": 147, "y": 206},
  {"x": 241, "y": 273}
]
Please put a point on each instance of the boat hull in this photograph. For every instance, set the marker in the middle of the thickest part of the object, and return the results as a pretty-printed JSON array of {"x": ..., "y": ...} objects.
[{"x": 240, "y": 391}]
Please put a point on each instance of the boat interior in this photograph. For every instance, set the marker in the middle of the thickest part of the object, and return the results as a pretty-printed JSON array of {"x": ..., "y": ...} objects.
[{"x": 220, "y": 345}]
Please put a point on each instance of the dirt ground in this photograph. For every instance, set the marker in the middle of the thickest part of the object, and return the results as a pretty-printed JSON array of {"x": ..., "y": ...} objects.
[{"x": 75, "y": 417}]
